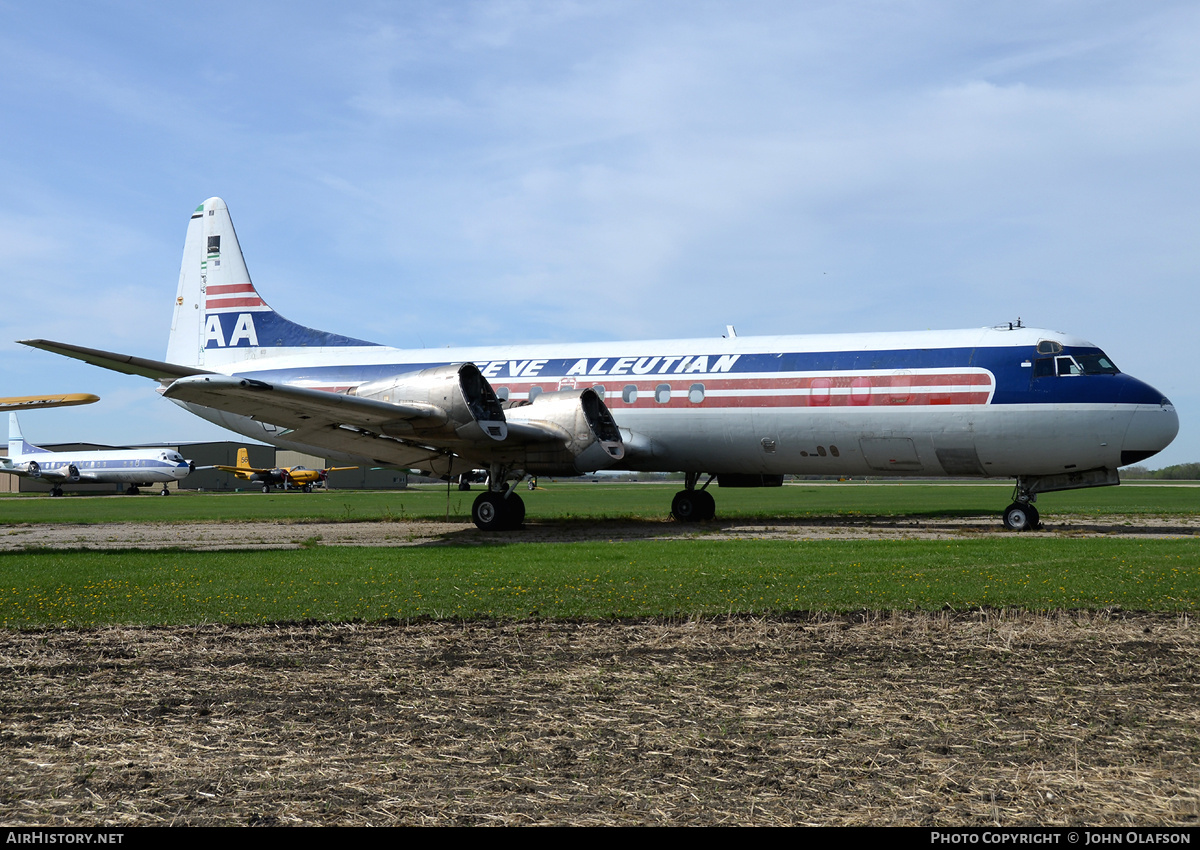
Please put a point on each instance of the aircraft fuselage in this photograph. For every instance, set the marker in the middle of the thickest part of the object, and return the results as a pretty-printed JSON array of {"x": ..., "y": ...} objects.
[{"x": 977, "y": 403}]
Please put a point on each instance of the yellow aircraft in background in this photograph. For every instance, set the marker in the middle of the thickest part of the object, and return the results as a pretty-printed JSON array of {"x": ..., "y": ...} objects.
[
  {"x": 26, "y": 402},
  {"x": 298, "y": 477}
]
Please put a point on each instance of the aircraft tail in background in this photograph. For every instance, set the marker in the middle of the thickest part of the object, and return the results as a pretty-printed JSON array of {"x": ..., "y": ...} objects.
[{"x": 17, "y": 446}]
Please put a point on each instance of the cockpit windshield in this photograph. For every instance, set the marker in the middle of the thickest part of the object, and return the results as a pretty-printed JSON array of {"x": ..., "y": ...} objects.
[
  {"x": 1096, "y": 364},
  {"x": 1086, "y": 362}
]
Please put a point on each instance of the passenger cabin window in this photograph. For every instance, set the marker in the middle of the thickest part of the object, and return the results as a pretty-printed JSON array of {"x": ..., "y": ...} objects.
[
  {"x": 502, "y": 393},
  {"x": 662, "y": 393},
  {"x": 534, "y": 392},
  {"x": 696, "y": 393},
  {"x": 629, "y": 394},
  {"x": 599, "y": 388},
  {"x": 820, "y": 392}
]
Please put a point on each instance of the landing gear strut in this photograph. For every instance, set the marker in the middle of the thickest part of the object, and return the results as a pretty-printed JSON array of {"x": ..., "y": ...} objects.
[{"x": 692, "y": 505}]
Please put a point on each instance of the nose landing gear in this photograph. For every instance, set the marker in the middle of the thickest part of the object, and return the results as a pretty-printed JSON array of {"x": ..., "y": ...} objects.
[{"x": 1022, "y": 517}]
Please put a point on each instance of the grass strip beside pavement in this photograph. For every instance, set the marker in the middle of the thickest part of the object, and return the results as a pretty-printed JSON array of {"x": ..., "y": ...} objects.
[{"x": 593, "y": 581}]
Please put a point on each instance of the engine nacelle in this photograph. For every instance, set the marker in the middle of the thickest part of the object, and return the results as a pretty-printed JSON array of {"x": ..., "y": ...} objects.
[
  {"x": 34, "y": 469},
  {"x": 461, "y": 403},
  {"x": 72, "y": 472},
  {"x": 578, "y": 433}
]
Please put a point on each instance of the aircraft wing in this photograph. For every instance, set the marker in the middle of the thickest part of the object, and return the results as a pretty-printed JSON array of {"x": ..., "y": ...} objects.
[
  {"x": 62, "y": 400},
  {"x": 300, "y": 407},
  {"x": 471, "y": 426},
  {"x": 22, "y": 470},
  {"x": 156, "y": 369},
  {"x": 27, "y": 469},
  {"x": 342, "y": 423}
]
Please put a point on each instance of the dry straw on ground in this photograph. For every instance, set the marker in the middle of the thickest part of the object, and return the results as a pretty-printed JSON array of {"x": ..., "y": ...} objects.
[{"x": 981, "y": 718}]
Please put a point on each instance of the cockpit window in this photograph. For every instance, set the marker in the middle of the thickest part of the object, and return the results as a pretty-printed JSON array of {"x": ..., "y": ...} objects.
[
  {"x": 1096, "y": 364},
  {"x": 1049, "y": 346},
  {"x": 1068, "y": 366},
  {"x": 1087, "y": 362}
]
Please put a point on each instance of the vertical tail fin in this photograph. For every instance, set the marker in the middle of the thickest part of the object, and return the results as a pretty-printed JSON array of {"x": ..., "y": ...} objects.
[
  {"x": 16, "y": 443},
  {"x": 220, "y": 319},
  {"x": 243, "y": 459}
]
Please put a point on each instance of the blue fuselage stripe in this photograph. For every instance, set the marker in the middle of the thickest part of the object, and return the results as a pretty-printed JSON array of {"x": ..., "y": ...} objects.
[{"x": 1011, "y": 366}]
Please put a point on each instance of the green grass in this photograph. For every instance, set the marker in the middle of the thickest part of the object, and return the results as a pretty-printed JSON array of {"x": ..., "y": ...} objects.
[
  {"x": 608, "y": 501},
  {"x": 594, "y": 580}
]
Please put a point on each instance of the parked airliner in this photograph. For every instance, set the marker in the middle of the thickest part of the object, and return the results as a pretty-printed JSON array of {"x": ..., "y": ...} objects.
[
  {"x": 1048, "y": 409},
  {"x": 134, "y": 467}
]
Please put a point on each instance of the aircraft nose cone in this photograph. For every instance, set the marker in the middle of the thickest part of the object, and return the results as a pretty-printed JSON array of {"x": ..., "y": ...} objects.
[{"x": 1151, "y": 429}]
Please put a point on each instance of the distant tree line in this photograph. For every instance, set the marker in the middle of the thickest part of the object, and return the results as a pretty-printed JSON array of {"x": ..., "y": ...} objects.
[{"x": 1178, "y": 472}]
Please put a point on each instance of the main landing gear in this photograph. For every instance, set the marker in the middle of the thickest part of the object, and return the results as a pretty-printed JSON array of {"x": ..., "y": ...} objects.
[
  {"x": 499, "y": 508},
  {"x": 692, "y": 505}
]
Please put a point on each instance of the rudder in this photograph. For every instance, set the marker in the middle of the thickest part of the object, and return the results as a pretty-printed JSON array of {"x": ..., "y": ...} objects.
[
  {"x": 219, "y": 317},
  {"x": 17, "y": 447}
]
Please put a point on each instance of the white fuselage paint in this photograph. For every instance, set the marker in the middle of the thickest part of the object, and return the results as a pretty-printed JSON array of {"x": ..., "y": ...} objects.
[{"x": 118, "y": 466}]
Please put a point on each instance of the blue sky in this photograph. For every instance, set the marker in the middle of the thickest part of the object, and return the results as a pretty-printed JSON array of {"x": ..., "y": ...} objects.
[{"x": 428, "y": 174}]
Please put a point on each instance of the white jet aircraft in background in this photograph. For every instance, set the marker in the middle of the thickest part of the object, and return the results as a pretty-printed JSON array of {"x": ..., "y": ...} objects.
[
  {"x": 134, "y": 467},
  {"x": 1045, "y": 408}
]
